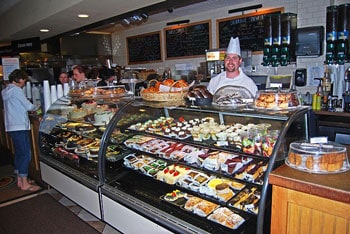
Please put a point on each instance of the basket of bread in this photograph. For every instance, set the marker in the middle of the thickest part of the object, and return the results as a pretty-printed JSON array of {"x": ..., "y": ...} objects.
[{"x": 167, "y": 90}]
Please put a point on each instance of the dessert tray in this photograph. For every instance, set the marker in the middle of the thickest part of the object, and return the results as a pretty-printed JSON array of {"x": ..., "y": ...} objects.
[
  {"x": 278, "y": 99},
  {"x": 232, "y": 96},
  {"x": 204, "y": 208}
]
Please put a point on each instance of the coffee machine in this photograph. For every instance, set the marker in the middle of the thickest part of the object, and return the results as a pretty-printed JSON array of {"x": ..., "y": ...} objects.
[{"x": 346, "y": 94}]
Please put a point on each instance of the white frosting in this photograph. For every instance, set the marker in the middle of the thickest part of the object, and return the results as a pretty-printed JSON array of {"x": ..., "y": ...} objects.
[{"x": 103, "y": 117}]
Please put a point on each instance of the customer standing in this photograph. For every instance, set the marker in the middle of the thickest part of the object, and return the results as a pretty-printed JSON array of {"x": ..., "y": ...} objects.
[
  {"x": 233, "y": 74},
  {"x": 17, "y": 124}
]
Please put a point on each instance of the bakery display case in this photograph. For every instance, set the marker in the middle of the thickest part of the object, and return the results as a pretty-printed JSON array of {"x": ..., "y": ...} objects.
[
  {"x": 195, "y": 169},
  {"x": 69, "y": 138},
  {"x": 168, "y": 166}
]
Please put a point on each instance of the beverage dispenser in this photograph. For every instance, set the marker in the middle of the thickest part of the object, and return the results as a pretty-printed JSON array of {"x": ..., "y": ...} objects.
[
  {"x": 331, "y": 33},
  {"x": 267, "y": 40},
  {"x": 215, "y": 62},
  {"x": 276, "y": 40},
  {"x": 343, "y": 33},
  {"x": 288, "y": 28}
]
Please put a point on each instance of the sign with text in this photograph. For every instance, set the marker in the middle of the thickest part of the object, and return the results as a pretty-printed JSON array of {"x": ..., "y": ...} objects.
[
  {"x": 249, "y": 28},
  {"x": 8, "y": 65},
  {"x": 144, "y": 48},
  {"x": 189, "y": 40},
  {"x": 26, "y": 45}
]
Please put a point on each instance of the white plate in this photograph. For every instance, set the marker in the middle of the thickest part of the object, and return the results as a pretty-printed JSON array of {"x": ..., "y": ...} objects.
[
  {"x": 77, "y": 151},
  {"x": 91, "y": 155},
  {"x": 99, "y": 124}
]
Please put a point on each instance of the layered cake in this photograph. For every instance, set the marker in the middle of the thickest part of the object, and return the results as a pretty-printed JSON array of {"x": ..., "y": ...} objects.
[
  {"x": 89, "y": 106},
  {"x": 103, "y": 118},
  {"x": 218, "y": 188},
  {"x": 77, "y": 114},
  {"x": 247, "y": 200},
  {"x": 172, "y": 173}
]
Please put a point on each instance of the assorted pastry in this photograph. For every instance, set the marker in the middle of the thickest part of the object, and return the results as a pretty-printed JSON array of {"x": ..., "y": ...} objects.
[
  {"x": 277, "y": 99},
  {"x": 325, "y": 158},
  {"x": 250, "y": 138},
  {"x": 98, "y": 91},
  {"x": 205, "y": 208},
  {"x": 247, "y": 200},
  {"x": 238, "y": 166},
  {"x": 226, "y": 217}
]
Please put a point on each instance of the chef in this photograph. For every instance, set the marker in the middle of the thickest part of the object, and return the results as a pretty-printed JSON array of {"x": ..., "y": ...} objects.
[{"x": 233, "y": 74}]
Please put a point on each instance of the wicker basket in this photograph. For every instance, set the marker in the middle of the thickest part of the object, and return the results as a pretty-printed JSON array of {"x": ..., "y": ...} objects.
[{"x": 164, "y": 96}]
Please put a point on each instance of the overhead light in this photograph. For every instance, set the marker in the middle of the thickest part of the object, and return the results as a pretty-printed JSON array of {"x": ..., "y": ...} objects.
[
  {"x": 242, "y": 9},
  {"x": 125, "y": 21},
  {"x": 44, "y": 30},
  {"x": 178, "y": 22},
  {"x": 98, "y": 32},
  {"x": 135, "y": 19},
  {"x": 144, "y": 16},
  {"x": 83, "y": 16}
]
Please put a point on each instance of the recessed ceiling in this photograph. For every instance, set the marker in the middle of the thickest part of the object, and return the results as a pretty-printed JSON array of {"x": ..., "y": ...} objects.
[{"x": 24, "y": 18}]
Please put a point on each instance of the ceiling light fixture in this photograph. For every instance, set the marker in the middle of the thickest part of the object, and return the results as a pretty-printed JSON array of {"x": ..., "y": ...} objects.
[
  {"x": 242, "y": 9},
  {"x": 178, "y": 22},
  {"x": 44, "y": 30},
  {"x": 83, "y": 16},
  {"x": 135, "y": 19}
]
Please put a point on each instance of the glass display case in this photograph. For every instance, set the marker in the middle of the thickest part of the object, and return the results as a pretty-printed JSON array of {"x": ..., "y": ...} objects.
[
  {"x": 70, "y": 127},
  {"x": 173, "y": 167}
]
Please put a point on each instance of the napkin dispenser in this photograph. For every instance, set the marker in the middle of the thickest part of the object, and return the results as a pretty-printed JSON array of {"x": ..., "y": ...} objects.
[{"x": 309, "y": 41}]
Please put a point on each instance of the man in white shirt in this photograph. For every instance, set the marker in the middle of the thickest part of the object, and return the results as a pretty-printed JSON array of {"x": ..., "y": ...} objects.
[{"x": 233, "y": 74}]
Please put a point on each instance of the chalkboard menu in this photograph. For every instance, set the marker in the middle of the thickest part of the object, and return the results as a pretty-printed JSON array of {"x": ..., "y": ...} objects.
[
  {"x": 249, "y": 28},
  {"x": 144, "y": 48},
  {"x": 190, "y": 40}
]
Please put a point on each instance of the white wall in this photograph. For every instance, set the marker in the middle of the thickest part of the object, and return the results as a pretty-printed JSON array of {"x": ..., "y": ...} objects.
[{"x": 309, "y": 13}]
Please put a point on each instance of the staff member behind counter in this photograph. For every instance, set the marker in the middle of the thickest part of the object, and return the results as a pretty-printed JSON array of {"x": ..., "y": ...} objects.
[
  {"x": 107, "y": 77},
  {"x": 233, "y": 74}
]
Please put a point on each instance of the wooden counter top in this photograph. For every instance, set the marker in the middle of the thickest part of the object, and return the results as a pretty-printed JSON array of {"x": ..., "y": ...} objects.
[{"x": 332, "y": 186}]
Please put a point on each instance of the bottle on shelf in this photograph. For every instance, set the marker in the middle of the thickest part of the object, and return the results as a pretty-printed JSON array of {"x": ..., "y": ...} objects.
[
  {"x": 326, "y": 88},
  {"x": 316, "y": 98}
]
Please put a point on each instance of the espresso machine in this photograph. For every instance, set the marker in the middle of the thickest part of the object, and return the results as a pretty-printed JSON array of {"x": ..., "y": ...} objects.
[{"x": 346, "y": 94}]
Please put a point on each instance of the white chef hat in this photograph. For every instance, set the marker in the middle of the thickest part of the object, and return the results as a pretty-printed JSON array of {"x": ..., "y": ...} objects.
[{"x": 234, "y": 47}]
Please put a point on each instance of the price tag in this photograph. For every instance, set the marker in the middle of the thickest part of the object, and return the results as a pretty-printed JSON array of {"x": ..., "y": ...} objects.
[{"x": 318, "y": 140}]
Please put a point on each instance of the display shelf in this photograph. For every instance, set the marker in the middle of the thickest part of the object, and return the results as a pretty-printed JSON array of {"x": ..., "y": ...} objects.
[
  {"x": 141, "y": 189},
  {"x": 290, "y": 123}
]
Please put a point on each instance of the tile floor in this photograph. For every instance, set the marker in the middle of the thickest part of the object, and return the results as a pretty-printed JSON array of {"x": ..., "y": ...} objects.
[
  {"x": 100, "y": 226},
  {"x": 83, "y": 214}
]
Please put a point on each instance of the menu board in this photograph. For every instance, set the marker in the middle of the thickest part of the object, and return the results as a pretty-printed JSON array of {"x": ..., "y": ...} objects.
[
  {"x": 249, "y": 28},
  {"x": 190, "y": 40},
  {"x": 144, "y": 48},
  {"x": 8, "y": 66}
]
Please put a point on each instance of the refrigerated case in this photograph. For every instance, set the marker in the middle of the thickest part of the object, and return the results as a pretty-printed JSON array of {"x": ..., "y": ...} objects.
[
  {"x": 62, "y": 167},
  {"x": 144, "y": 141}
]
